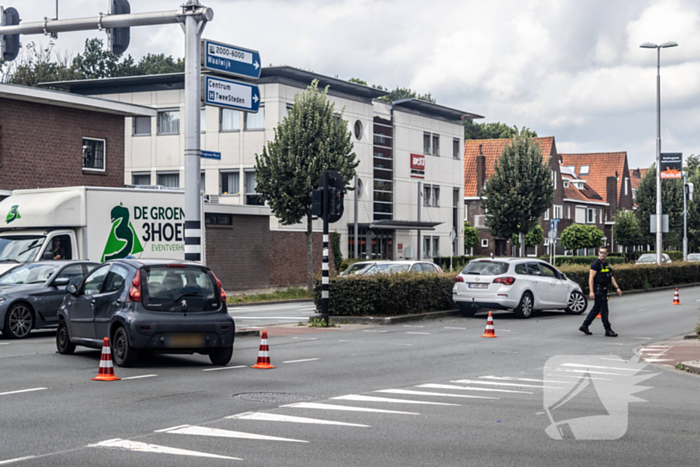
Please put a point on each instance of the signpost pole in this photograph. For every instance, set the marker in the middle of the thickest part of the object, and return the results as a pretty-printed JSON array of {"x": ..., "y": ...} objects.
[
  {"x": 357, "y": 195},
  {"x": 685, "y": 217},
  {"x": 420, "y": 192},
  {"x": 324, "y": 271}
]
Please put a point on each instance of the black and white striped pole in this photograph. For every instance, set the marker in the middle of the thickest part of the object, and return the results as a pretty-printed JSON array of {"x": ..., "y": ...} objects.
[{"x": 325, "y": 266}]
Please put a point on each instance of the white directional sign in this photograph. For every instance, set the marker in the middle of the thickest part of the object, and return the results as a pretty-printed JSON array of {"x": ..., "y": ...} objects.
[{"x": 230, "y": 94}]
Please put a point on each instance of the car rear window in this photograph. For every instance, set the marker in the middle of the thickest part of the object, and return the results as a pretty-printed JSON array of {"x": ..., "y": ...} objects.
[
  {"x": 485, "y": 268},
  {"x": 179, "y": 289},
  {"x": 388, "y": 268}
]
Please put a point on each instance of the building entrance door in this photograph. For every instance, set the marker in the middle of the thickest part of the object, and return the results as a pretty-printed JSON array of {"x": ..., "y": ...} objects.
[{"x": 501, "y": 249}]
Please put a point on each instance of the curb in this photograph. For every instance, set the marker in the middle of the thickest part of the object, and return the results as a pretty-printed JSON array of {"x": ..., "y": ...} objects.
[
  {"x": 692, "y": 367},
  {"x": 655, "y": 289},
  {"x": 246, "y": 333},
  {"x": 691, "y": 336},
  {"x": 387, "y": 320},
  {"x": 272, "y": 302}
]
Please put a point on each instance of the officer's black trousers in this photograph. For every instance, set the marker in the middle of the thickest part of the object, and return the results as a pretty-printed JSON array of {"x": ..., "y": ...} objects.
[{"x": 600, "y": 306}]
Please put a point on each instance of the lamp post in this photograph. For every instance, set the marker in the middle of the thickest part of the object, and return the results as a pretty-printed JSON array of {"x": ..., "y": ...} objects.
[{"x": 659, "y": 235}]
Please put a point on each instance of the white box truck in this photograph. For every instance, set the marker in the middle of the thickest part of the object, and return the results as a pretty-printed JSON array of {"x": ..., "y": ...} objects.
[{"x": 90, "y": 223}]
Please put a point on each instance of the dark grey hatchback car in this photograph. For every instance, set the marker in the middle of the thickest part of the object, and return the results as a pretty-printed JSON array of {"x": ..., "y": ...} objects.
[{"x": 148, "y": 306}]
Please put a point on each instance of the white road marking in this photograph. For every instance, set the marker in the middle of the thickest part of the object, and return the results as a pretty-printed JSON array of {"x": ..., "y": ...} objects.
[
  {"x": 215, "y": 432},
  {"x": 579, "y": 365},
  {"x": 653, "y": 355},
  {"x": 462, "y": 388},
  {"x": 360, "y": 398},
  {"x": 511, "y": 378},
  {"x": 271, "y": 417},
  {"x": 299, "y": 361},
  {"x": 10, "y": 461},
  {"x": 368, "y": 330},
  {"x": 314, "y": 405},
  {"x": 309, "y": 312},
  {"x": 225, "y": 368},
  {"x": 591, "y": 378},
  {"x": 657, "y": 360},
  {"x": 359, "y": 342},
  {"x": 421, "y": 333},
  {"x": 658, "y": 346},
  {"x": 21, "y": 391},
  {"x": 462, "y": 329},
  {"x": 140, "y": 376},
  {"x": 519, "y": 385},
  {"x": 590, "y": 372},
  {"x": 137, "y": 446},
  {"x": 6, "y": 343},
  {"x": 306, "y": 338},
  {"x": 272, "y": 317},
  {"x": 421, "y": 393},
  {"x": 649, "y": 349},
  {"x": 645, "y": 338},
  {"x": 504, "y": 330},
  {"x": 409, "y": 326}
]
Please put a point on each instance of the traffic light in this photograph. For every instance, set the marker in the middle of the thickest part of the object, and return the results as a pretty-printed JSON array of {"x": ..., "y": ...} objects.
[
  {"x": 9, "y": 44},
  {"x": 335, "y": 208},
  {"x": 119, "y": 37}
]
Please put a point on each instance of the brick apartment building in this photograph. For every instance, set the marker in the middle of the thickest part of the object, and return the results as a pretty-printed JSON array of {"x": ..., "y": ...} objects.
[{"x": 588, "y": 189}]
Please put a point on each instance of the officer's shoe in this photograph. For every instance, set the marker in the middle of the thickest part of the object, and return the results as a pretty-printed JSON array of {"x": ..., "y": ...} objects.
[
  {"x": 610, "y": 333},
  {"x": 584, "y": 329}
]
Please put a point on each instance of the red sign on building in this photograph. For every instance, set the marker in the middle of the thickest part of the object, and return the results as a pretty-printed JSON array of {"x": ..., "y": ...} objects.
[{"x": 417, "y": 165}]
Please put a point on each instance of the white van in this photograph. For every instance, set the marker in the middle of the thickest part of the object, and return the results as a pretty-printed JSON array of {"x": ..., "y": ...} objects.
[{"x": 90, "y": 223}]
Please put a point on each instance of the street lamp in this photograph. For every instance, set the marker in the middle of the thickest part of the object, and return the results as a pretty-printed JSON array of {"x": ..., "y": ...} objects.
[{"x": 649, "y": 45}]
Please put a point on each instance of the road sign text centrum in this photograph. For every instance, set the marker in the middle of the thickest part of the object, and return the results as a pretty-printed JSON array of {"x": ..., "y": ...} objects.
[
  {"x": 222, "y": 92},
  {"x": 231, "y": 60}
]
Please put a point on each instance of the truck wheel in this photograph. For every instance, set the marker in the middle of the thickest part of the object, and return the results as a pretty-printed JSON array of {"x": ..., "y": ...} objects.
[
  {"x": 19, "y": 321},
  {"x": 221, "y": 356},
  {"x": 123, "y": 354},
  {"x": 524, "y": 309},
  {"x": 577, "y": 303},
  {"x": 63, "y": 343}
]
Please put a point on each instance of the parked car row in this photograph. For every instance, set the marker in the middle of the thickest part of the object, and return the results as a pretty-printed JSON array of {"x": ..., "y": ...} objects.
[
  {"x": 391, "y": 267},
  {"x": 157, "y": 306}
]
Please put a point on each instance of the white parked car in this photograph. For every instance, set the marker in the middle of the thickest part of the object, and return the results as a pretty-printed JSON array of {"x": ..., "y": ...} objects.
[
  {"x": 650, "y": 258},
  {"x": 358, "y": 268},
  {"x": 395, "y": 267},
  {"x": 520, "y": 284},
  {"x": 694, "y": 257}
]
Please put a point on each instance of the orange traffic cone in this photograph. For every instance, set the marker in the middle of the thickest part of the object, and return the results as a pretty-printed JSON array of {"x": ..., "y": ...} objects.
[
  {"x": 489, "y": 332},
  {"x": 263, "y": 355},
  {"x": 599, "y": 317},
  {"x": 106, "y": 372},
  {"x": 676, "y": 300}
]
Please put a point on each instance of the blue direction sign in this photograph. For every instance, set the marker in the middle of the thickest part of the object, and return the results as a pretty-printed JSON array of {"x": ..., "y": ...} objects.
[
  {"x": 230, "y": 94},
  {"x": 211, "y": 155},
  {"x": 230, "y": 59}
]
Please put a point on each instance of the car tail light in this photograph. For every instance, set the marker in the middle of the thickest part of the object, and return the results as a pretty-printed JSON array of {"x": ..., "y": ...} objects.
[
  {"x": 504, "y": 280},
  {"x": 459, "y": 279},
  {"x": 221, "y": 288},
  {"x": 135, "y": 289}
]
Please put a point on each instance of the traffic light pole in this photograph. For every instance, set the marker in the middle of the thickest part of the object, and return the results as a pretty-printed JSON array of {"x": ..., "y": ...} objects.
[
  {"x": 194, "y": 17},
  {"x": 685, "y": 217},
  {"x": 324, "y": 266}
]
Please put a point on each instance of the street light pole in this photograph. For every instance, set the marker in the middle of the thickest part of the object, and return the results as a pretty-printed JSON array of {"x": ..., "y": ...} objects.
[{"x": 659, "y": 235}]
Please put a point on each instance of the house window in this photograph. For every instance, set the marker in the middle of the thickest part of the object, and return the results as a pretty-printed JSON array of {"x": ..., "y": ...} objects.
[
  {"x": 426, "y": 143},
  {"x": 169, "y": 122},
  {"x": 203, "y": 121},
  {"x": 230, "y": 183},
  {"x": 455, "y": 148},
  {"x": 426, "y": 195},
  {"x": 202, "y": 182},
  {"x": 484, "y": 243},
  {"x": 591, "y": 216},
  {"x": 436, "y": 145},
  {"x": 634, "y": 193},
  {"x": 287, "y": 110},
  {"x": 436, "y": 246},
  {"x": 546, "y": 214},
  {"x": 558, "y": 212},
  {"x": 141, "y": 179},
  {"x": 94, "y": 154},
  {"x": 627, "y": 182},
  {"x": 251, "y": 196},
  {"x": 568, "y": 212},
  {"x": 255, "y": 121},
  {"x": 436, "y": 196},
  {"x": 566, "y": 184},
  {"x": 600, "y": 215},
  {"x": 169, "y": 179},
  {"x": 142, "y": 126},
  {"x": 584, "y": 170},
  {"x": 230, "y": 120},
  {"x": 426, "y": 247},
  {"x": 554, "y": 179}
]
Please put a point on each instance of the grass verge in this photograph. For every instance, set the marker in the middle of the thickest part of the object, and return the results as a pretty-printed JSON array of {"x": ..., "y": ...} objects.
[{"x": 293, "y": 293}]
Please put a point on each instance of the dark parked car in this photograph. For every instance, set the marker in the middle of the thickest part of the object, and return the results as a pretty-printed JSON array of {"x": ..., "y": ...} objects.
[
  {"x": 148, "y": 306},
  {"x": 30, "y": 294}
]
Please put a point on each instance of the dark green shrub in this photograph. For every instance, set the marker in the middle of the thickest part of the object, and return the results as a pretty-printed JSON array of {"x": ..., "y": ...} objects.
[
  {"x": 561, "y": 260},
  {"x": 458, "y": 262}
]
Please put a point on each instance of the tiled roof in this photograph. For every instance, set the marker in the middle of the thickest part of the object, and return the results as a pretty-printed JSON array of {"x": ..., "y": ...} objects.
[
  {"x": 585, "y": 194},
  {"x": 601, "y": 165},
  {"x": 634, "y": 181},
  {"x": 492, "y": 150}
]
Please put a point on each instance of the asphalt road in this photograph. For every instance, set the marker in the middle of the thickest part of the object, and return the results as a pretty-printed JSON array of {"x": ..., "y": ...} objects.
[
  {"x": 259, "y": 316},
  {"x": 430, "y": 393}
]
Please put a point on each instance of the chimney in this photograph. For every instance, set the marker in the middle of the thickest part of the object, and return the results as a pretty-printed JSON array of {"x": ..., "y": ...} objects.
[
  {"x": 480, "y": 172},
  {"x": 611, "y": 185},
  {"x": 636, "y": 173}
]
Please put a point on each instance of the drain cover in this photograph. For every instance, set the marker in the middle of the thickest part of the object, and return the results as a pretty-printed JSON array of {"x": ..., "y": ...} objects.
[{"x": 272, "y": 397}]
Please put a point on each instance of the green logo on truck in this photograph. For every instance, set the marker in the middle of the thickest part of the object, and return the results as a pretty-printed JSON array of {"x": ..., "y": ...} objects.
[
  {"x": 122, "y": 240},
  {"x": 13, "y": 215}
]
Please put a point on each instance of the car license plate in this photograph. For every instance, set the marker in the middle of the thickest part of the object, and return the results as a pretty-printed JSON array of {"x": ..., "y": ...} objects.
[
  {"x": 478, "y": 286},
  {"x": 187, "y": 340}
]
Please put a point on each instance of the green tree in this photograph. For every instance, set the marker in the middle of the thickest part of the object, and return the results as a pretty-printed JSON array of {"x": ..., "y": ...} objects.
[
  {"x": 533, "y": 238},
  {"x": 520, "y": 189},
  {"x": 692, "y": 164},
  {"x": 309, "y": 141},
  {"x": 158, "y": 64},
  {"x": 97, "y": 62},
  {"x": 575, "y": 237},
  {"x": 397, "y": 94},
  {"x": 471, "y": 236},
  {"x": 38, "y": 65},
  {"x": 595, "y": 236},
  {"x": 671, "y": 201},
  {"x": 626, "y": 229},
  {"x": 494, "y": 130}
]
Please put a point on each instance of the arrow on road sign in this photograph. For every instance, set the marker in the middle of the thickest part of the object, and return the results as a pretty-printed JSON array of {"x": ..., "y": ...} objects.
[{"x": 230, "y": 94}]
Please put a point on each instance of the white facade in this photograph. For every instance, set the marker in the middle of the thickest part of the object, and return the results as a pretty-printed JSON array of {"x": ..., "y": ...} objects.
[{"x": 158, "y": 158}]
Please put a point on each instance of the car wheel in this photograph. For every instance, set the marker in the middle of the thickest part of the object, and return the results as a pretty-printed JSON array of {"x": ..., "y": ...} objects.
[
  {"x": 577, "y": 303},
  {"x": 524, "y": 309},
  {"x": 63, "y": 343},
  {"x": 122, "y": 353},
  {"x": 19, "y": 321},
  {"x": 221, "y": 355}
]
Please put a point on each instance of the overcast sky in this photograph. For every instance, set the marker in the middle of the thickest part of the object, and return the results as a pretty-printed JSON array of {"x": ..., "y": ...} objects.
[{"x": 570, "y": 69}]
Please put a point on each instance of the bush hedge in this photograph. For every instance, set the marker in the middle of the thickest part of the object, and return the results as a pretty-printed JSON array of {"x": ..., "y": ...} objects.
[
  {"x": 562, "y": 260},
  {"x": 458, "y": 262}
]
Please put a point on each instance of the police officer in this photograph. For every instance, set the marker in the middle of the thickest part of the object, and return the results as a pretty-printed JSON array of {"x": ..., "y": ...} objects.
[{"x": 599, "y": 280}]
